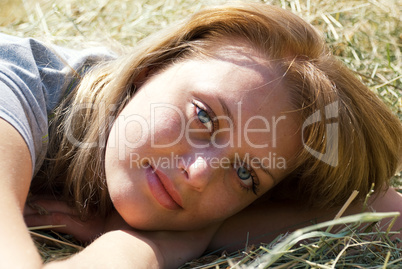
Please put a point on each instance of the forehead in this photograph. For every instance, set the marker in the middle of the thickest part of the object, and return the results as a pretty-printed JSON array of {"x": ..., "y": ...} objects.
[
  {"x": 235, "y": 72},
  {"x": 239, "y": 57}
]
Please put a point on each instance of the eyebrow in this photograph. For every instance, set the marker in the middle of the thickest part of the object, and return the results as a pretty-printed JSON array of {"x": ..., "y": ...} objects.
[
  {"x": 267, "y": 172},
  {"x": 227, "y": 112}
]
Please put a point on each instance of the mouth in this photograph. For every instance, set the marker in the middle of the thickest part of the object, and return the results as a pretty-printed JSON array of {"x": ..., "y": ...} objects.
[{"x": 162, "y": 189}]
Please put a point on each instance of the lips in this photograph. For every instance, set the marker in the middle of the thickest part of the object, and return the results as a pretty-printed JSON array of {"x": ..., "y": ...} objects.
[{"x": 162, "y": 189}]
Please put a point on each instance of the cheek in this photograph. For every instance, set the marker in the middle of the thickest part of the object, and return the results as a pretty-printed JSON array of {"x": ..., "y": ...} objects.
[
  {"x": 130, "y": 131},
  {"x": 222, "y": 204},
  {"x": 130, "y": 201},
  {"x": 121, "y": 182},
  {"x": 167, "y": 125}
]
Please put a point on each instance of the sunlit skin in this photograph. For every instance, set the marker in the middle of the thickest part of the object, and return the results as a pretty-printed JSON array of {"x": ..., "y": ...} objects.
[
  {"x": 203, "y": 204},
  {"x": 201, "y": 194}
]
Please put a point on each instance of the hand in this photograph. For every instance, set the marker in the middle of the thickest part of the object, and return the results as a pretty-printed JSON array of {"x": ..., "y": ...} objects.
[{"x": 44, "y": 212}]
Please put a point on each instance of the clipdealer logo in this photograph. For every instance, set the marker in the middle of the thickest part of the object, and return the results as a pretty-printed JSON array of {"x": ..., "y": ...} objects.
[
  {"x": 147, "y": 129},
  {"x": 331, "y": 112}
]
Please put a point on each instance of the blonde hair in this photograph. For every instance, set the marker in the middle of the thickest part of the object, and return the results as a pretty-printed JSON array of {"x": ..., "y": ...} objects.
[{"x": 369, "y": 135}]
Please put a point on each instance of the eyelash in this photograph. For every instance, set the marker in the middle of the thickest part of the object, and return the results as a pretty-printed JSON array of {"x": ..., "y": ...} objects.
[
  {"x": 254, "y": 179},
  {"x": 215, "y": 126},
  {"x": 209, "y": 112}
]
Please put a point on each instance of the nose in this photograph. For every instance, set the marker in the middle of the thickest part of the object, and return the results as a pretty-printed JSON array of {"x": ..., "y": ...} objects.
[{"x": 200, "y": 172}]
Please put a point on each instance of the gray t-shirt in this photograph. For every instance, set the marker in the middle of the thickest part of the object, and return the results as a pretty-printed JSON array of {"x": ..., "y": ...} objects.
[{"x": 33, "y": 78}]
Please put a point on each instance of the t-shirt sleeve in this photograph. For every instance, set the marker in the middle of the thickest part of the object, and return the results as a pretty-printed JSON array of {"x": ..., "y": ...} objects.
[{"x": 33, "y": 77}]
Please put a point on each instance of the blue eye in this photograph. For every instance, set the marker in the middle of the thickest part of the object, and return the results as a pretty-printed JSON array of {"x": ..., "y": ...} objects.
[
  {"x": 249, "y": 182},
  {"x": 243, "y": 173},
  {"x": 205, "y": 118}
]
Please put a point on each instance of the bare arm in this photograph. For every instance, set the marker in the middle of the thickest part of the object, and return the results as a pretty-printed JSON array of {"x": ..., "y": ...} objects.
[
  {"x": 262, "y": 223},
  {"x": 142, "y": 250},
  {"x": 121, "y": 246},
  {"x": 16, "y": 247},
  {"x": 116, "y": 249}
]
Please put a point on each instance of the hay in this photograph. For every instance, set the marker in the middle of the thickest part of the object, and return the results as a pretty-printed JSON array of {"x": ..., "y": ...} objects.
[
  {"x": 317, "y": 248},
  {"x": 364, "y": 34}
]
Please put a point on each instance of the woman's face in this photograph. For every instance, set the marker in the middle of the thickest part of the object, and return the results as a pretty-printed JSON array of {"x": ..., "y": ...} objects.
[{"x": 200, "y": 141}]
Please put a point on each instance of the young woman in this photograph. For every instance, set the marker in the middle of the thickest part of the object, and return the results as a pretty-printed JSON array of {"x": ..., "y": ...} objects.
[{"x": 218, "y": 128}]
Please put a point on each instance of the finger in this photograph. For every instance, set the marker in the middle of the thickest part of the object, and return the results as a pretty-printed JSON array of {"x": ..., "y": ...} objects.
[
  {"x": 44, "y": 207},
  {"x": 32, "y": 209},
  {"x": 83, "y": 231}
]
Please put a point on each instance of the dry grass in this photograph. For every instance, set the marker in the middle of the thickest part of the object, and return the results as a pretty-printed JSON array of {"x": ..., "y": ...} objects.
[
  {"x": 316, "y": 247},
  {"x": 365, "y": 34}
]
